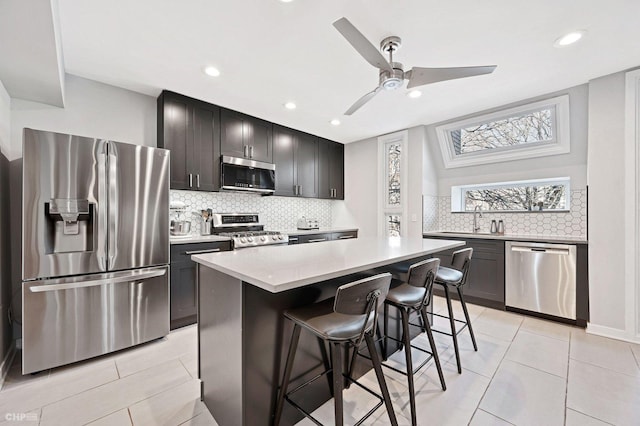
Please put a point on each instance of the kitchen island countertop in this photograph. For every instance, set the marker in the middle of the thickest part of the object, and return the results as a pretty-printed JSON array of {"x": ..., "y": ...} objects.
[{"x": 280, "y": 268}]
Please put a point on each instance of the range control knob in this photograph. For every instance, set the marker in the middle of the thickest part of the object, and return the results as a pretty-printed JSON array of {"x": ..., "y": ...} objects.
[
  {"x": 274, "y": 237},
  {"x": 262, "y": 238},
  {"x": 243, "y": 240},
  {"x": 250, "y": 239},
  {"x": 280, "y": 237}
]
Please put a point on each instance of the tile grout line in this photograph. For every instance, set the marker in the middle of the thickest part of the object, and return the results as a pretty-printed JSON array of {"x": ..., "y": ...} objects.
[
  {"x": 633, "y": 354},
  {"x": 590, "y": 416},
  {"x": 115, "y": 362},
  {"x": 130, "y": 417},
  {"x": 605, "y": 368},
  {"x": 566, "y": 387}
]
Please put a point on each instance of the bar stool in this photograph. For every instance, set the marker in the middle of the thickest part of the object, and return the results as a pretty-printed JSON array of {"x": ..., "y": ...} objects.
[
  {"x": 456, "y": 276},
  {"x": 343, "y": 321},
  {"x": 414, "y": 296}
]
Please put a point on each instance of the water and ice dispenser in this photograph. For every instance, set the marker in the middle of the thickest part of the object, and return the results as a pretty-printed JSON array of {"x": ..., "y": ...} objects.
[{"x": 70, "y": 225}]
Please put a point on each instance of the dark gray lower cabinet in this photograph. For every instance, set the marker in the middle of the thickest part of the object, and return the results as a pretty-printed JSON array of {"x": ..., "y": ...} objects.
[
  {"x": 485, "y": 284},
  {"x": 184, "y": 290}
]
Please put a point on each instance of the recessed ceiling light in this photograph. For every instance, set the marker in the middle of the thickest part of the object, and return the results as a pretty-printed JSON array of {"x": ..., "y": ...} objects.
[
  {"x": 414, "y": 94},
  {"x": 286, "y": 1},
  {"x": 569, "y": 38},
  {"x": 212, "y": 71},
  {"x": 290, "y": 105},
  {"x": 335, "y": 122}
]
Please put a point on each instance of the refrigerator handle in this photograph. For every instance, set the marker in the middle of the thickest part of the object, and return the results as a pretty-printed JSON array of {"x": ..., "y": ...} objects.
[
  {"x": 102, "y": 208},
  {"x": 94, "y": 283},
  {"x": 113, "y": 206}
]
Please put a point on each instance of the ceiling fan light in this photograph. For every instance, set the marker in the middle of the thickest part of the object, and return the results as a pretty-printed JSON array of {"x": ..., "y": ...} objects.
[
  {"x": 569, "y": 38},
  {"x": 392, "y": 83}
]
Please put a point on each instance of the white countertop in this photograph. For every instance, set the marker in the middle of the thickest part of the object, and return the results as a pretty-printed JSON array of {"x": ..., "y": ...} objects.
[
  {"x": 316, "y": 231},
  {"x": 284, "y": 267},
  {"x": 195, "y": 238},
  {"x": 560, "y": 239}
]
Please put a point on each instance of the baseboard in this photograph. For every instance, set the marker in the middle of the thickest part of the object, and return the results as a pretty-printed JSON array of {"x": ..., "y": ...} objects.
[
  {"x": 7, "y": 362},
  {"x": 612, "y": 333}
]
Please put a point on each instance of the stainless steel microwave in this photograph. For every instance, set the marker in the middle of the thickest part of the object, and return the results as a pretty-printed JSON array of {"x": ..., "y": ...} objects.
[{"x": 240, "y": 174}]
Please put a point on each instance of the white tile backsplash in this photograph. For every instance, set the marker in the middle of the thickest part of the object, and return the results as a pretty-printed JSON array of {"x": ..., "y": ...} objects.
[
  {"x": 276, "y": 213},
  {"x": 572, "y": 223}
]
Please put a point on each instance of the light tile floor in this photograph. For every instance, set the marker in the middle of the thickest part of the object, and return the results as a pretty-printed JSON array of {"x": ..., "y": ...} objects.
[{"x": 527, "y": 372}]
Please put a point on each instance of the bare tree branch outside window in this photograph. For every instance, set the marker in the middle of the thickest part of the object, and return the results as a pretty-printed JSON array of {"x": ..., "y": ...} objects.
[
  {"x": 533, "y": 127},
  {"x": 542, "y": 197},
  {"x": 394, "y": 151}
]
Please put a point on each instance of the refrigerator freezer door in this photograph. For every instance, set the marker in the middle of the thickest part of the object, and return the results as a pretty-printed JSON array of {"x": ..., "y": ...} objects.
[
  {"x": 138, "y": 206},
  {"x": 71, "y": 319},
  {"x": 64, "y": 210}
]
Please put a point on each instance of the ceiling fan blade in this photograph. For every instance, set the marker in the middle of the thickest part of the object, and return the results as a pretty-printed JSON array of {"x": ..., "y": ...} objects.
[
  {"x": 421, "y": 76},
  {"x": 361, "y": 44},
  {"x": 363, "y": 100}
]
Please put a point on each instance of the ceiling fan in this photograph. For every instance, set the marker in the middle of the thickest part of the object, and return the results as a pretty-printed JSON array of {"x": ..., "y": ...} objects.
[{"x": 392, "y": 75}]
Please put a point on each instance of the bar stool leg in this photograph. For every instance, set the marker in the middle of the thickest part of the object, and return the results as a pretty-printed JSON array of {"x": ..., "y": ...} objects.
[
  {"x": 326, "y": 360},
  {"x": 385, "y": 352},
  {"x": 466, "y": 315},
  {"x": 377, "y": 367},
  {"x": 452, "y": 321},
  {"x": 338, "y": 382},
  {"x": 295, "y": 337},
  {"x": 434, "y": 350},
  {"x": 406, "y": 338}
]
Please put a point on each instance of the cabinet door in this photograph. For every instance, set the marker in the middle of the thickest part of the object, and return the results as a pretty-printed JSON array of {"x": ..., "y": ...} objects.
[
  {"x": 206, "y": 138},
  {"x": 174, "y": 121},
  {"x": 284, "y": 159},
  {"x": 258, "y": 135},
  {"x": 232, "y": 141},
  {"x": 336, "y": 177},
  {"x": 306, "y": 164},
  {"x": 184, "y": 305},
  {"x": 345, "y": 235},
  {"x": 324, "y": 169}
]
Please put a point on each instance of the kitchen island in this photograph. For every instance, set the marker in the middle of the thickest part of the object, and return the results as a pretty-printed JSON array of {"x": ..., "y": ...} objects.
[{"x": 242, "y": 335}]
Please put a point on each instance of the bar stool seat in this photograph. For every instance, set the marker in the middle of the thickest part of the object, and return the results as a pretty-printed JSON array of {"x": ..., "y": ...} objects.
[
  {"x": 456, "y": 277},
  {"x": 405, "y": 294},
  {"x": 321, "y": 320},
  {"x": 344, "y": 322},
  {"x": 449, "y": 276}
]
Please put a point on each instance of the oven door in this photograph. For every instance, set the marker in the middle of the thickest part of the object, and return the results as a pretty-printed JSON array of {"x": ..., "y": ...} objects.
[{"x": 239, "y": 174}]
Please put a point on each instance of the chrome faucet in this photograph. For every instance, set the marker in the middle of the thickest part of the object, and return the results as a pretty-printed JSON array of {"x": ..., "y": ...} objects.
[{"x": 476, "y": 214}]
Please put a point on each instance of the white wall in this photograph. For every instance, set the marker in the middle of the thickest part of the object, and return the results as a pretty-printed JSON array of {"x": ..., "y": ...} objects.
[
  {"x": 360, "y": 208},
  {"x": 91, "y": 109},
  {"x": 605, "y": 175},
  {"x": 573, "y": 164},
  {"x": 5, "y": 243}
]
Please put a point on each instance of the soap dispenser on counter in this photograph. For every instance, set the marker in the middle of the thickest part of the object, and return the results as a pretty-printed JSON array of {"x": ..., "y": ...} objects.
[
  {"x": 494, "y": 227},
  {"x": 500, "y": 227}
]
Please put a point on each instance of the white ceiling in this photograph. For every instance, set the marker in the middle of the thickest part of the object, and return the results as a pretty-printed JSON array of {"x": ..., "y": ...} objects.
[{"x": 270, "y": 52}]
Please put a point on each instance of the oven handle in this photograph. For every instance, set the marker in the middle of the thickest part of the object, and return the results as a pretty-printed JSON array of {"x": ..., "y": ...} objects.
[
  {"x": 94, "y": 283},
  {"x": 317, "y": 240}
]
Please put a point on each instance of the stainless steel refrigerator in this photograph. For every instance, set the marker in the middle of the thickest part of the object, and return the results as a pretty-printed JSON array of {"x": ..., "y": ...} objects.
[{"x": 95, "y": 247}]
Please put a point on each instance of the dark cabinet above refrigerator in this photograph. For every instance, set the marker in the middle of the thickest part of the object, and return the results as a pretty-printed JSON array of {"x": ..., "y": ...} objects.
[{"x": 190, "y": 129}]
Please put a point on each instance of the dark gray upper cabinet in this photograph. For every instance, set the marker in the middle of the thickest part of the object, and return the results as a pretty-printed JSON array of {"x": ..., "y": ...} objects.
[
  {"x": 295, "y": 155},
  {"x": 246, "y": 137},
  {"x": 189, "y": 128},
  {"x": 330, "y": 170}
]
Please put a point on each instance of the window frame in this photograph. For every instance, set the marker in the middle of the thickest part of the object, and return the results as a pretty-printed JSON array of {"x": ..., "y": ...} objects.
[
  {"x": 560, "y": 144},
  {"x": 458, "y": 194},
  {"x": 384, "y": 209}
]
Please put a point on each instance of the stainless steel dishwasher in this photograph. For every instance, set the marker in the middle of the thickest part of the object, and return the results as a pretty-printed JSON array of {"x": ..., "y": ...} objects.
[{"x": 541, "y": 278}]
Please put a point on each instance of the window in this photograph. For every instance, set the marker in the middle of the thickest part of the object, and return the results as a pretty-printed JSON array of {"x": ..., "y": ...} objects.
[
  {"x": 392, "y": 207},
  {"x": 532, "y": 195},
  {"x": 528, "y": 131}
]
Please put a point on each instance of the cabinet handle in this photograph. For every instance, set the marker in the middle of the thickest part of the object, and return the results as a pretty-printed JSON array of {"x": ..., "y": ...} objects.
[
  {"x": 190, "y": 180},
  {"x": 189, "y": 253},
  {"x": 293, "y": 239},
  {"x": 345, "y": 237},
  {"x": 245, "y": 151},
  {"x": 251, "y": 151},
  {"x": 299, "y": 189},
  {"x": 317, "y": 240},
  {"x": 198, "y": 180}
]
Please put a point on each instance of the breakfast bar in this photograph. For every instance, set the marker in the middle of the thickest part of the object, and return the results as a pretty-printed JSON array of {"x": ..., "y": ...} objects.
[{"x": 242, "y": 337}]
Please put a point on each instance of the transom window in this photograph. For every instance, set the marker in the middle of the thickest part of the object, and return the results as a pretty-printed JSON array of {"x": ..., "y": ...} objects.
[
  {"x": 532, "y": 195},
  {"x": 533, "y": 130}
]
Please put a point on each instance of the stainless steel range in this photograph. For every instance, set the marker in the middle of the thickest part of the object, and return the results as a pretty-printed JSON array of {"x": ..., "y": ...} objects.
[{"x": 245, "y": 230}]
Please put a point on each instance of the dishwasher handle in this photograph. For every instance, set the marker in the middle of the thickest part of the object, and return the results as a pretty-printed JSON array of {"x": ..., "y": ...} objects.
[{"x": 564, "y": 252}]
